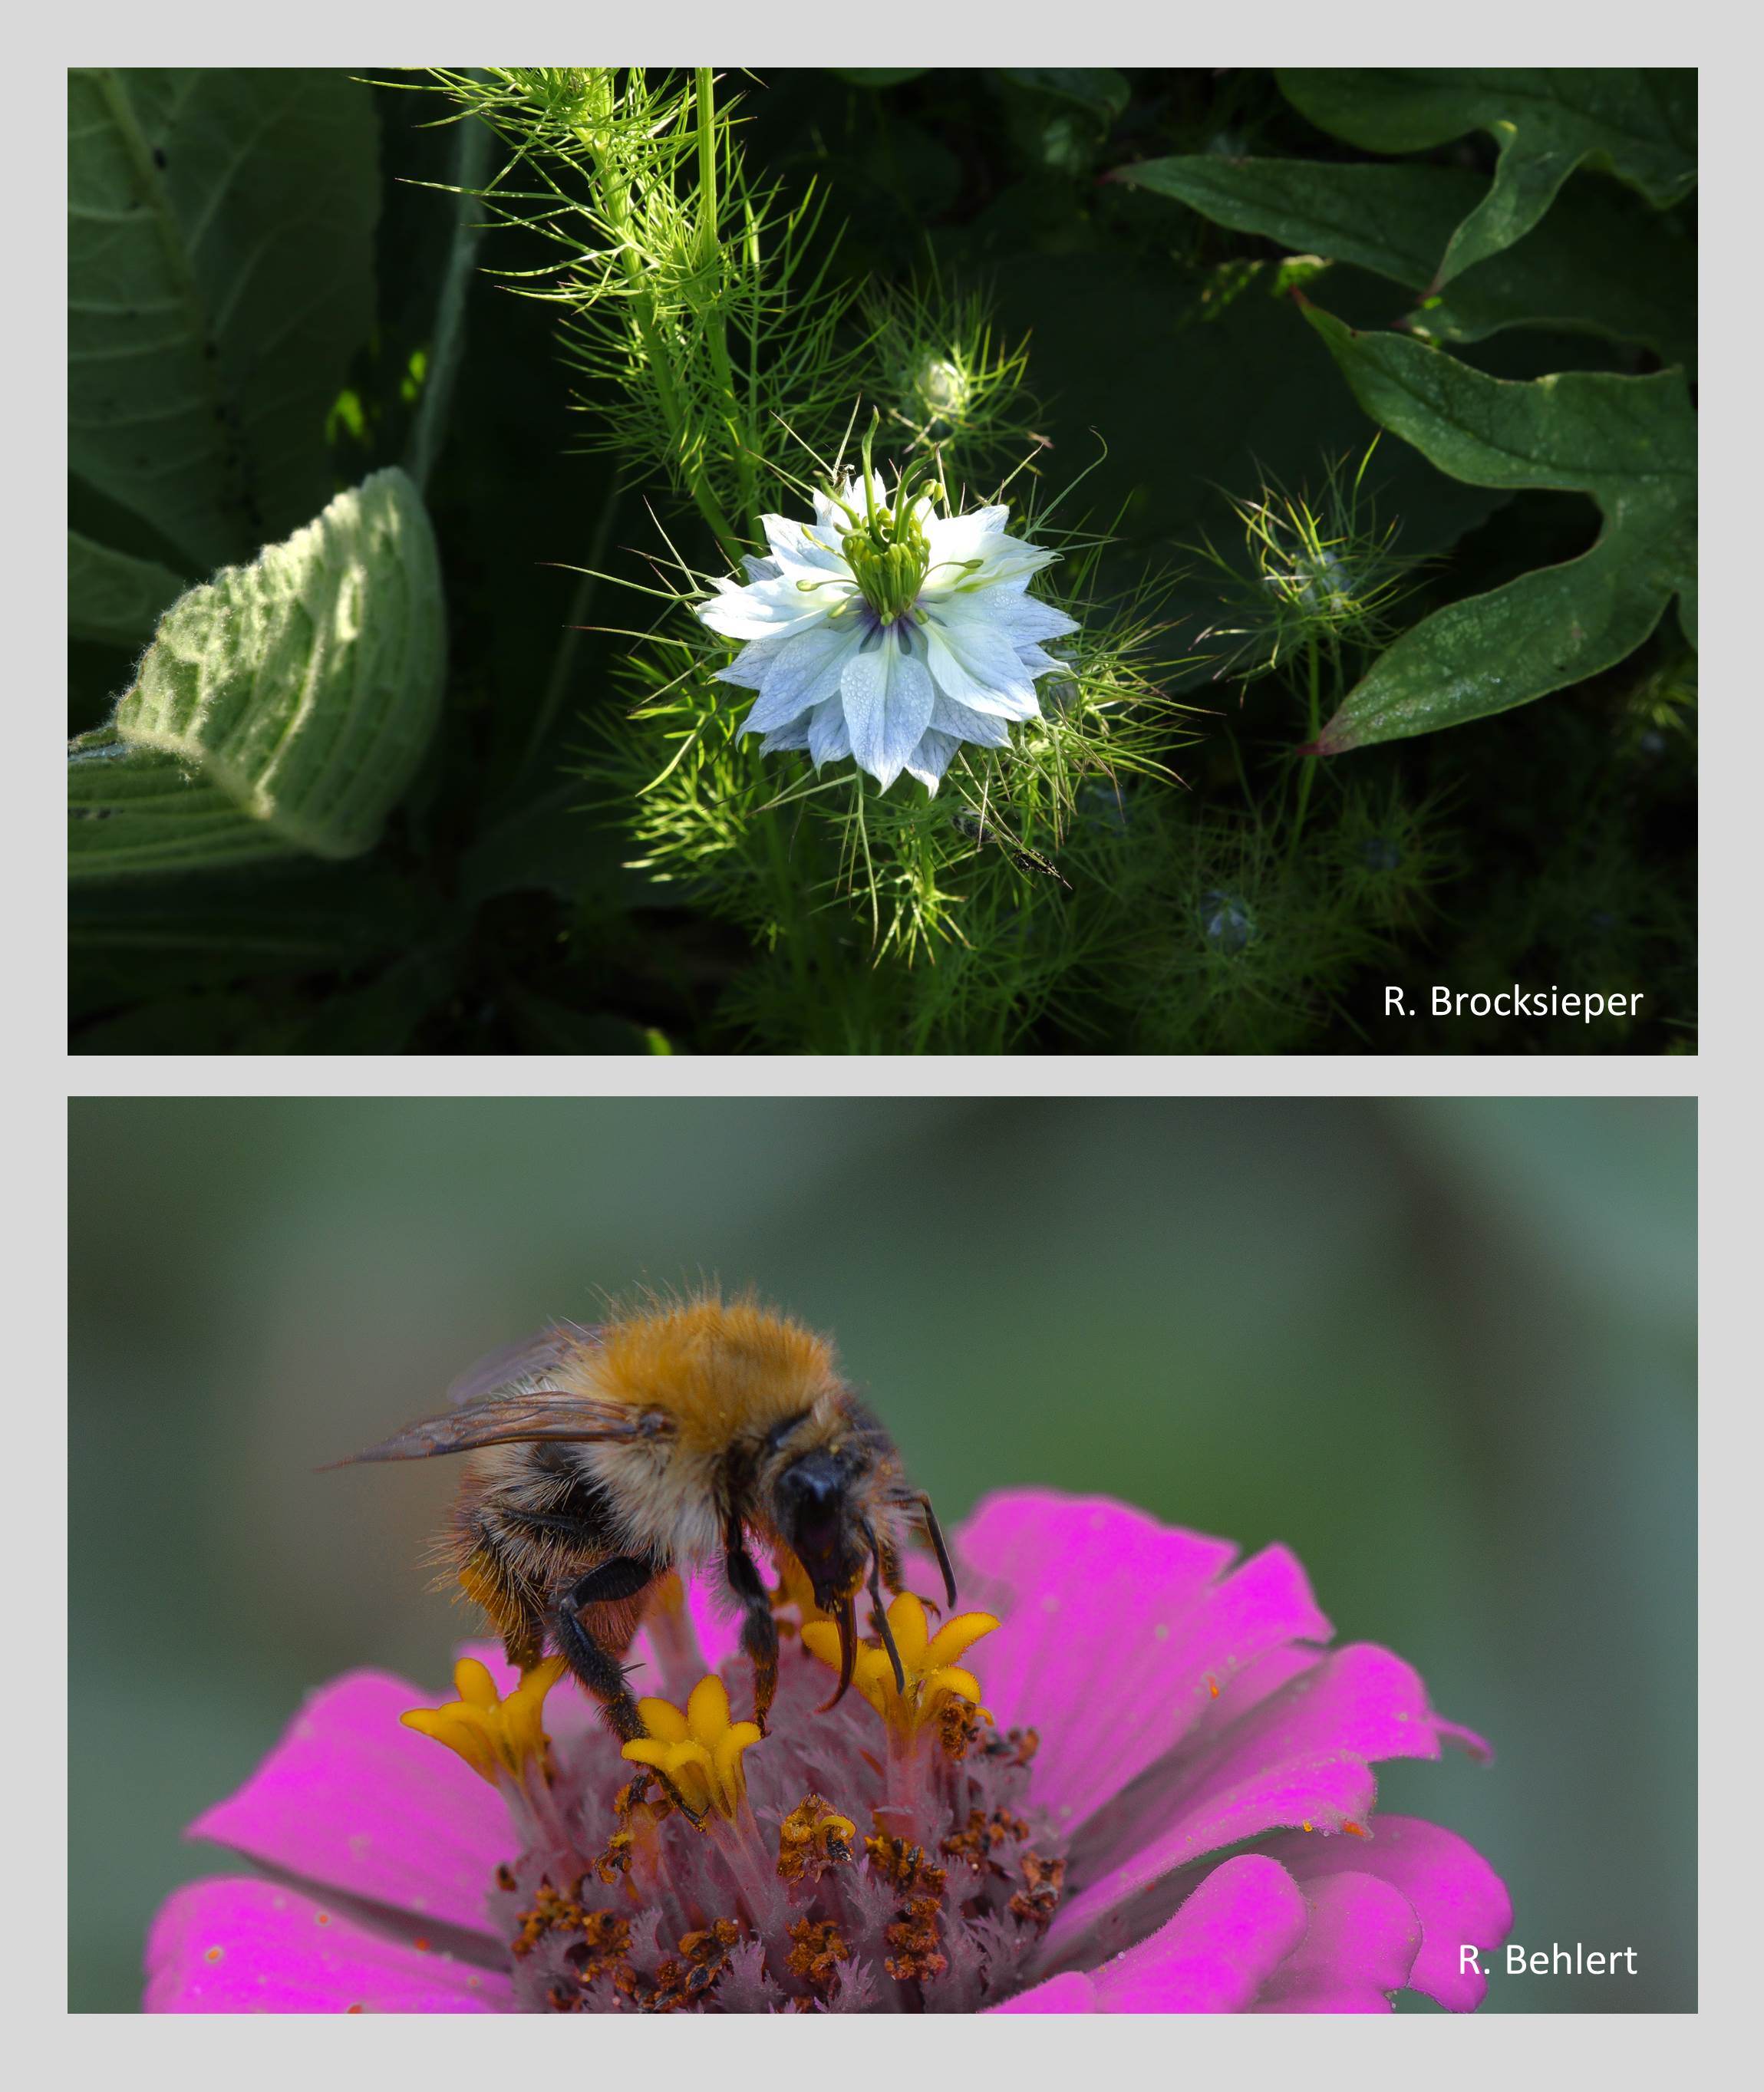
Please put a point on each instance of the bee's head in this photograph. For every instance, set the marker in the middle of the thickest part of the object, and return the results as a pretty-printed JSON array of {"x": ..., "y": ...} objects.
[{"x": 818, "y": 1513}]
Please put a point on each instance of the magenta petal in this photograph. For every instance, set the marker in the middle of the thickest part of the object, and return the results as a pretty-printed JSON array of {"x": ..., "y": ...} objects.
[
  {"x": 256, "y": 1947},
  {"x": 1116, "y": 1635},
  {"x": 351, "y": 1801},
  {"x": 1459, "y": 1899},
  {"x": 1361, "y": 1699},
  {"x": 1466, "y": 1741},
  {"x": 1216, "y": 1954},
  {"x": 1070, "y": 1993},
  {"x": 1327, "y": 1792},
  {"x": 1357, "y": 1951}
]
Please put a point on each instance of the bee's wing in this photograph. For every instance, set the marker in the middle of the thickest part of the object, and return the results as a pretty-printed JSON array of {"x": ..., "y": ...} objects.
[
  {"x": 528, "y": 1361},
  {"x": 516, "y": 1420}
]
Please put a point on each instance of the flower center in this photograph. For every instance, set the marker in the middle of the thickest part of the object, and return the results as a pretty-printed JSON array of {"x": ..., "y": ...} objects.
[
  {"x": 883, "y": 1853},
  {"x": 885, "y": 545},
  {"x": 889, "y": 555}
]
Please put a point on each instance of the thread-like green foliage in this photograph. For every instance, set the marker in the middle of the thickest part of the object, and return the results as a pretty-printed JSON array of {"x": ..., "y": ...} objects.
[{"x": 699, "y": 309}]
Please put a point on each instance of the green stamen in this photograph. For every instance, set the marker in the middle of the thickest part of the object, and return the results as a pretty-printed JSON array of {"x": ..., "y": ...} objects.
[{"x": 888, "y": 552}]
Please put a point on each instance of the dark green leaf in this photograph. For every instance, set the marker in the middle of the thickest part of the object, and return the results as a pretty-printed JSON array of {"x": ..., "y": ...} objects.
[
  {"x": 1097, "y": 90},
  {"x": 113, "y": 598},
  {"x": 137, "y": 939},
  {"x": 1629, "y": 442},
  {"x": 1639, "y": 124},
  {"x": 219, "y": 277},
  {"x": 1603, "y": 260}
]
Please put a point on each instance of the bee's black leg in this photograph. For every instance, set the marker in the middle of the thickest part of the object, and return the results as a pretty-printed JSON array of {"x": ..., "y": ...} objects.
[
  {"x": 759, "y": 1630},
  {"x": 598, "y": 1670},
  {"x": 934, "y": 1533}
]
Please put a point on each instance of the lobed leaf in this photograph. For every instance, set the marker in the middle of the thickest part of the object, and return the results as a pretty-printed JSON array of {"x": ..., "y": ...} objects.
[
  {"x": 282, "y": 706},
  {"x": 1628, "y": 443},
  {"x": 1639, "y": 123},
  {"x": 1602, "y": 262},
  {"x": 219, "y": 277}
]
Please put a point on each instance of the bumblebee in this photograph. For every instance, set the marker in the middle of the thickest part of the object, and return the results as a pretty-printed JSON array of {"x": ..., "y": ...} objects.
[{"x": 679, "y": 1434}]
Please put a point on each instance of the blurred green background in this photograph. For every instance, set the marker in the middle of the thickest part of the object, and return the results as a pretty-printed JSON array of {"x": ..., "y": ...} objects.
[{"x": 1445, "y": 1349}]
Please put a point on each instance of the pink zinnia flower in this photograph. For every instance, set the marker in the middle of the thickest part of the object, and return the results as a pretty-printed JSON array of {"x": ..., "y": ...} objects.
[{"x": 1160, "y": 1798}]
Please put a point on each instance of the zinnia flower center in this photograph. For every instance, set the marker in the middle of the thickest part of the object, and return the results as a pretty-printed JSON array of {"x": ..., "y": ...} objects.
[{"x": 881, "y": 1854}]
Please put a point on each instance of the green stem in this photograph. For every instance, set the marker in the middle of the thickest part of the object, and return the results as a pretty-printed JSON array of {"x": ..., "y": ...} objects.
[
  {"x": 470, "y": 161},
  {"x": 716, "y": 323},
  {"x": 579, "y": 605},
  {"x": 616, "y": 207}
]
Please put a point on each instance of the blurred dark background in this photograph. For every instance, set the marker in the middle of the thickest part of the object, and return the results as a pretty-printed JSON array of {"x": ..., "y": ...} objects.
[{"x": 1443, "y": 1349}]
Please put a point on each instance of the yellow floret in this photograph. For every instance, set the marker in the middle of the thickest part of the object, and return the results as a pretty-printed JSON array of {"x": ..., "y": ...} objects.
[
  {"x": 699, "y": 1749},
  {"x": 494, "y": 1736},
  {"x": 933, "y": 1676}
]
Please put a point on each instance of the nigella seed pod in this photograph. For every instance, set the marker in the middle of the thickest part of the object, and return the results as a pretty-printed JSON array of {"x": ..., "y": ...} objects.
[{"x": 1226, "y": 922}]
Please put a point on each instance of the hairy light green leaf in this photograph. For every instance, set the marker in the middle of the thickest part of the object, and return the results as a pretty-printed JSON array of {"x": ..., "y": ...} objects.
[
  {"x": 219, "y": 277},
  {"x": 1629, "y": 442},
  {"x": 281, "y": 707},
  {"x": 1602, "y": 262},
  {"x": 112, "y": 597},
  {"x": 1640, "y": 124}
]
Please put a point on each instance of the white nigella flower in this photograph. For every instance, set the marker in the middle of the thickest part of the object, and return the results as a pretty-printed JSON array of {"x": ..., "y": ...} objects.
[{"x": 888, "y": 633}]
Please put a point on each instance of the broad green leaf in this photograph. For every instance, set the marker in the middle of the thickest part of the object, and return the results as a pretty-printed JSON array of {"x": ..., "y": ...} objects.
[
  {"x": 1602, "y": 262},
  {"x": 281, "y": 707},
  {"x": 112, "y": 597},
  {"x": 1638, "y": 124},
  {"x": 1629, "y": 442},
  {"x": 297, "y": 917},
  {"x": 219, "y": 277}
]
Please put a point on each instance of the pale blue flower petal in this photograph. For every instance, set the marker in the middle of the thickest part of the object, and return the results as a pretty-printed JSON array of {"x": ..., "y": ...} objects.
[
  {"x": 1025, "y": 619},
  {"x": 793, "y": 545},
  {"x": 785, "y": 738},
  {"x": 829, "y": 738},
  {"x": 975, "y": 664},
  {"x": 954, "y": 538},
  {"x": 987, "y": 729},
  {"x": 934, "y": 754},
  {"x": 771, "y": 609},
  {"x": 804, "y": 673},
  {"x": 889, "y": 698},
  {"x": 751, "y": 666}
]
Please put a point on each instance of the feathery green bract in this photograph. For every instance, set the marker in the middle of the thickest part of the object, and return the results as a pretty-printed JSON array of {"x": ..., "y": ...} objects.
[{"x": 696, "y": 304}]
